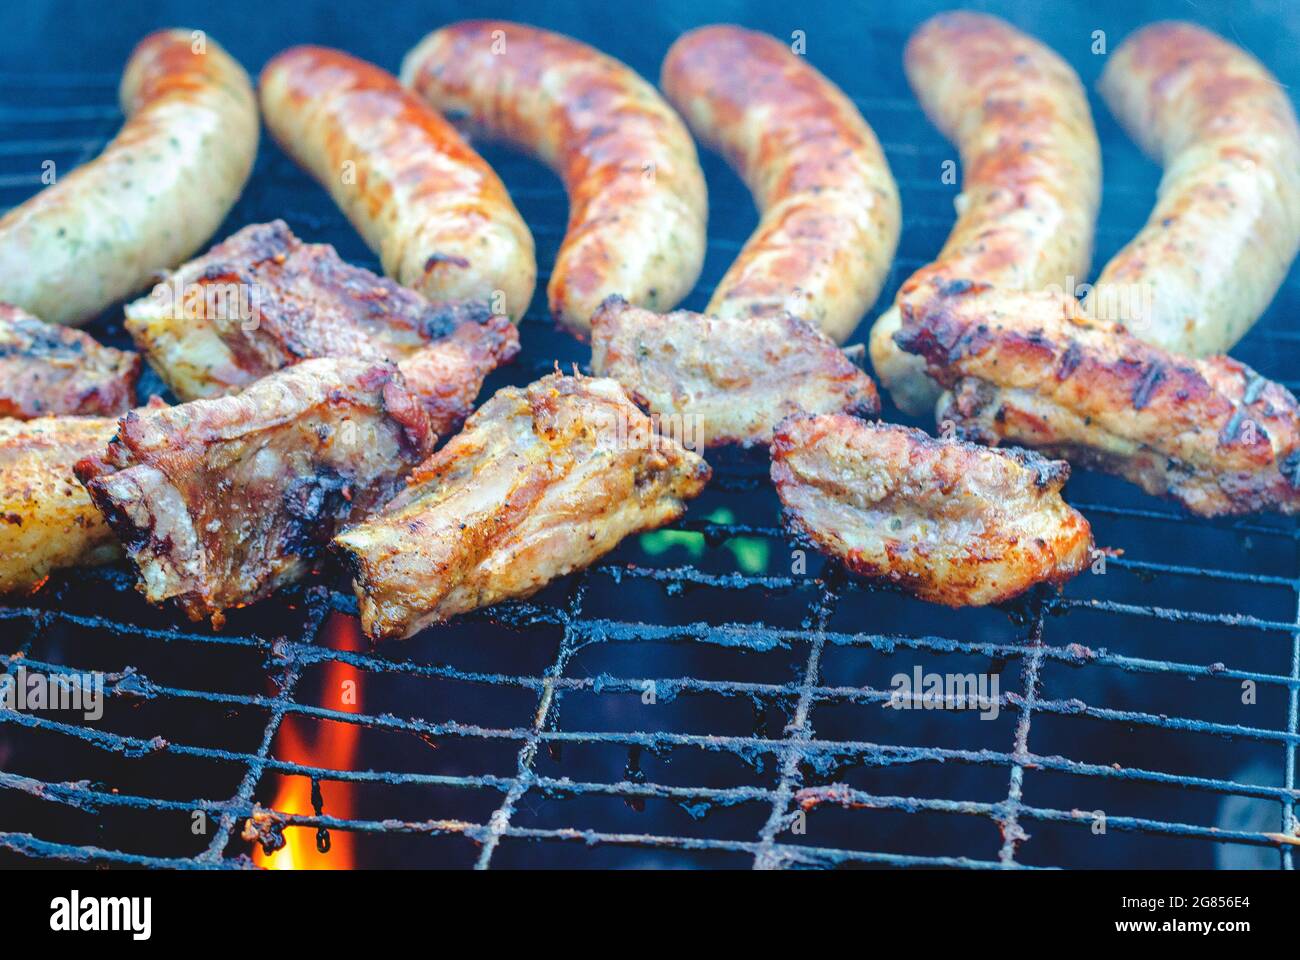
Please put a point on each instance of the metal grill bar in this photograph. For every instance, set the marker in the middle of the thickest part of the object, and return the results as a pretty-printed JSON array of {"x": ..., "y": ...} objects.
[
  {"x": 735, "y": 635},
  {"x": 799, "y": 856},
  {"x": 1293, "y": 725},
  {"x": 807, "y": 798},
  {"x": 799, "y": 735},
  {"x": 500, "y": 821},
  {"x": 1009, "y": 814},
  {"x": 81, "y": 795},
  {"x": 765, "y": 852},
  {"x": 285, "y": 686}
]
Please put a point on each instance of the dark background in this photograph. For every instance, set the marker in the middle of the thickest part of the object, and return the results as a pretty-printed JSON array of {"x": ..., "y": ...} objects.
[{"x": 844, "y": 39}]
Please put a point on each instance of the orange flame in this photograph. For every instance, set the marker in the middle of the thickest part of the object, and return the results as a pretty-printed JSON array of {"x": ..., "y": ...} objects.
[{"x": 320, "y": 743}]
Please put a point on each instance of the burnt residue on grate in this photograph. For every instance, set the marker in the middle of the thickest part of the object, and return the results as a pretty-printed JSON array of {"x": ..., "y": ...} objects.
[{"x": 706, "y": 696}]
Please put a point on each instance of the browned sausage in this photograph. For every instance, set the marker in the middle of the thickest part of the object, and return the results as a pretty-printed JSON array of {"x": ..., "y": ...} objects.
[
  {"x": 1226, "y": 224},
  {"x": 1031, "y": 171},
  {"x": 153, "y": 197},
  {"x": 636, "y": 193},
  {"x": 830, "y": 212},
  {"x": 432, "y": 209}
]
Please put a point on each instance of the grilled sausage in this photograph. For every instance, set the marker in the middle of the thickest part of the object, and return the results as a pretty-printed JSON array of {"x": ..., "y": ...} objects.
[
  {"x": 432, "y": 209},
  {"x": 1031, "y": 171},
  {"x": 830, "y": 212},
  {"x": 1226, "y": 224},
  {"x": 636, "y": 193},
  {"x": 153, "y": 197}
]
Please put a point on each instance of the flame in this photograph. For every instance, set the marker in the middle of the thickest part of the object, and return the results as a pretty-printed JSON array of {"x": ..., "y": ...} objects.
[{"x": 320, "y": 743}]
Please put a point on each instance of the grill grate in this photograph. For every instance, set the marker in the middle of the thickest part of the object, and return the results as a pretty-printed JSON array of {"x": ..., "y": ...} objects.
[{"x": 767, "y": 683}]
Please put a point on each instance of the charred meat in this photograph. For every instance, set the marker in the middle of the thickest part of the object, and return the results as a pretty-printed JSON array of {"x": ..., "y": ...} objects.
[
  {"x": 263, "y": 300},
  {"x": 47, "y": 370},
  {"x": 951, "y": 522},
  {"x": 219, "y": 502},
  {"x": 1032, "y": 369},
  {"x": 731, "y": 379},
  {"x": 448, "y": 374},
  {"x": 542, "y": 481}
]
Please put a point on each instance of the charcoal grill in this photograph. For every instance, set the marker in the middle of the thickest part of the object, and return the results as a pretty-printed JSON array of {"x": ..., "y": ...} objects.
[{"x": 525, "y": 735}]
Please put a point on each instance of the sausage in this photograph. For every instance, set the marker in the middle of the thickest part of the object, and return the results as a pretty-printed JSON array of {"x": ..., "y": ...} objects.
[
  {"x": 830, "y": 210},
  {"x": 1031, "y": 171},
  {"x": 637, "y": 203},
  {"x": 432, "y": 209},
  {"x": 1226, "y": 224},
  {"x": 154, "y": 196}
]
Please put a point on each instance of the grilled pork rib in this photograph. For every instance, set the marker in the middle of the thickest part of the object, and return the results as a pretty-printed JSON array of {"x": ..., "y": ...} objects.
[
  {"x": 542, "y": 481},
  {"x": 736, "y": 377},
  {"x": 950, "y": 522},
  {"x": 219, "y": 502},
  {"x": 1031, "y": 369},
  {"x": 262, "y": 300},
  {"x": 48, "y": 370},
  {"x": 46, "y": 518}
]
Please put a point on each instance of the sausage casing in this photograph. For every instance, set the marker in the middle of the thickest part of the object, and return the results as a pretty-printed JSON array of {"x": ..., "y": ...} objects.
[
  {"x": 432, "y": 209},
  {"x": 1226, "y": 224},
  {"x": 1031, "y": 171},
  {"x": 155, "y": 195},
  {"x": 637, "y": 202},
  {"x": 830, "y": 210}
]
